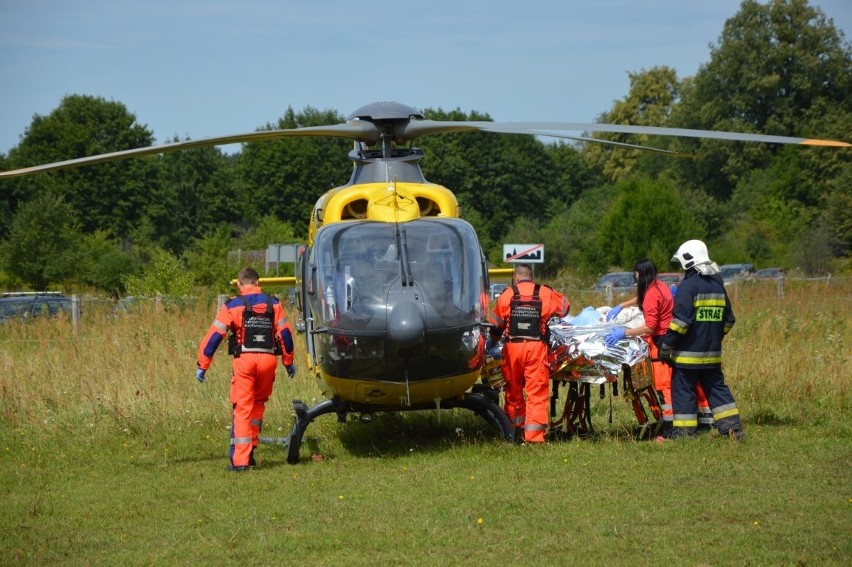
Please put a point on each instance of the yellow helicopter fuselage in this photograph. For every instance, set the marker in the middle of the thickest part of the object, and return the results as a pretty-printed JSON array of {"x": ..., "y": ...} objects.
[{"x": 393, "y": 208}]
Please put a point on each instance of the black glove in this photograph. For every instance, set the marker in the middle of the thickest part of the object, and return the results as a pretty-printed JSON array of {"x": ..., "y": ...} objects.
[
  {"x": 666, "y": 354},
  {"x": 291, "y": 370}
]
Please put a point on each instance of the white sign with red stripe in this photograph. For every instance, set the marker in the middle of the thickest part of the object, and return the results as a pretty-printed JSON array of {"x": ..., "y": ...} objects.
[{"x": 523, "y": 253}]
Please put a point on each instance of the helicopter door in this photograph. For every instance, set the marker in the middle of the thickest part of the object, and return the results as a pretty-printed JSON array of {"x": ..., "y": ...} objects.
[{"x": 307, "y": 273}]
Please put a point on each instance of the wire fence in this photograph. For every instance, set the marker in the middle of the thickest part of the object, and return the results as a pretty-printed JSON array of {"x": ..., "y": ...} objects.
[{"x": 86, "y": 309}]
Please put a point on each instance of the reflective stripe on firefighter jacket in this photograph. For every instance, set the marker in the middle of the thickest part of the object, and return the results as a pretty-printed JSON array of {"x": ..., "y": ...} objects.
[
  {"x": 701, "y": 319},
  {"x": 253, "y": 372},
  {"x": 525, "y": 360}
]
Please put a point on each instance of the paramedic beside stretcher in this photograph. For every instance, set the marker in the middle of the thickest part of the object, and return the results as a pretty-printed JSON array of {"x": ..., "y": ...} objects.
[
  {"x": 577, "y": 357},
  {"x": 521, "y": 315}
]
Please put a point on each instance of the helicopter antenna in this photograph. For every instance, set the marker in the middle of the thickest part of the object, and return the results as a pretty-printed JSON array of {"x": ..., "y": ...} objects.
[{"x": 407, "y": 386}]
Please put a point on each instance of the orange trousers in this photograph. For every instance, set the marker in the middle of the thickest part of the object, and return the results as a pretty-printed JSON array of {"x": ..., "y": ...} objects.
[
  {"x": 527, "y": 387},
  {"x": 251, "y": 387}
]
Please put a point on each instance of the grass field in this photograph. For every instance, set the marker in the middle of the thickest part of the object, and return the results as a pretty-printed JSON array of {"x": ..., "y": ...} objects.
[{"x": 114, "y": 455}]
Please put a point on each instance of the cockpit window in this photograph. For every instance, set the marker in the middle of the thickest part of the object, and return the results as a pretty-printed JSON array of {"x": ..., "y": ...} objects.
[{"x": 358, "y": 264}]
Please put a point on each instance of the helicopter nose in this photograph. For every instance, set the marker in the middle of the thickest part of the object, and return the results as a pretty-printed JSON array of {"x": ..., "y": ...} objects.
[{"x": 405, "y": 324}]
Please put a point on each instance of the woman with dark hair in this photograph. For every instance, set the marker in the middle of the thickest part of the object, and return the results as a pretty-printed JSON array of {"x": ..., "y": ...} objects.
[{"x": 654, "y": 299}]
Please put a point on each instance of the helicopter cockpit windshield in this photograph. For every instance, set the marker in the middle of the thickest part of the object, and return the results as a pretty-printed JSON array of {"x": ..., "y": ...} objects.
[{"x": 363, "y": 272}]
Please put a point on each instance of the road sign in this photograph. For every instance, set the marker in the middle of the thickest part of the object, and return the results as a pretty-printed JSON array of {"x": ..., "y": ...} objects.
[
  {"x": 523, "y": 253},
  {"x": 282, "y": 253}
]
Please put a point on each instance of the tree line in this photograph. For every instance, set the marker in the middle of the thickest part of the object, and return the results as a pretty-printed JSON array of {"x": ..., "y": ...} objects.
[{"x": 165, "y": 223}]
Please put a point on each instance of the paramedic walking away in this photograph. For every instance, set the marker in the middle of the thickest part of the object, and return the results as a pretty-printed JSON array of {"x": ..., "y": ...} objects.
[
  {"x": 260, "y": 331},
  {"x": 656, "y": 303},
  {"x": 702, "y": 317},
  {"x": 521, "y": 314}
]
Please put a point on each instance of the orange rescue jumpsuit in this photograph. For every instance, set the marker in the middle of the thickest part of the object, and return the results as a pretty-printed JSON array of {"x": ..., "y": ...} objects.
[
  {"x": 525, "y": 362},
  {"x": 254, "y": 372}
]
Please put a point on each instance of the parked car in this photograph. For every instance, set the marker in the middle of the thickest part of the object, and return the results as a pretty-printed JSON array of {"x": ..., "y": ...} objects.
[
  {"x": 618, "y": 281},
  {"x": 496, "y": 289},
  {"x": 769, "y": 273},
  {"x": 670, "y": 278},
  {"x": 31, "y": 304},
  {"x": 731, "y": 272}
]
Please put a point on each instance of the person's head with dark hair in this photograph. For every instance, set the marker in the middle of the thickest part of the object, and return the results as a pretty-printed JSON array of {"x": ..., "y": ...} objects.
[{"x": 645, "y": 272}]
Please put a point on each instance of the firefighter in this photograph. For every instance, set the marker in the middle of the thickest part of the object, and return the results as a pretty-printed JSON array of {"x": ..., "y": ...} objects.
[
  {"x": 702, "y": 317},
  {"x": 656, "y": 302},
  {"x": 521, "y": 314},
  {"x": 259, "y": 331}
]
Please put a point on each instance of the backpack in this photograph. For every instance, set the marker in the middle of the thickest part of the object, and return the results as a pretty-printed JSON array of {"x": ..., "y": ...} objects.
[
  {"x": 258, "y": 332},
  {"x": 525, "y": 315}
]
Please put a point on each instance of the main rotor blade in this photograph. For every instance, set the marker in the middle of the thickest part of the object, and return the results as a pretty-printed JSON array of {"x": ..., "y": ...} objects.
[
  {"x": 358, "y": 130},
  {"x": 407, "y": 129},
  {"x": 596, "y": 141},
  {"x": 418, "y": 128}
]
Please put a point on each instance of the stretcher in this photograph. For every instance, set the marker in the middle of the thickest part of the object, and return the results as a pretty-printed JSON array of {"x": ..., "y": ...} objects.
[{"x": 579, "y": 359}]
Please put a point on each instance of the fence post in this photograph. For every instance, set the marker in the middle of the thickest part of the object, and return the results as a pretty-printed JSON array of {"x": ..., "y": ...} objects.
[
  {"x": 221, "y": 299},
  {"x": 75, "y": 314},
  {"x": 780, "y": 287},
  {"x": 608, "y": 293}
]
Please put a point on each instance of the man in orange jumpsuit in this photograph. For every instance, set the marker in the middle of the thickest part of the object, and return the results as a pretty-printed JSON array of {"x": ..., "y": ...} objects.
[
  {"x": 260, "y": 331},
  {"x": 521, "y": 313}
]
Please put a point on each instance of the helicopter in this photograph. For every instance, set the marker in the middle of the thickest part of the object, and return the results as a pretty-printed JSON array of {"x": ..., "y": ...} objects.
[{"x": 393, "y": 284}]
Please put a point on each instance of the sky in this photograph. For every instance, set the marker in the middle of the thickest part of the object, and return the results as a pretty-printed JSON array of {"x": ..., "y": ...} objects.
[{"x": 200, "y": 68}]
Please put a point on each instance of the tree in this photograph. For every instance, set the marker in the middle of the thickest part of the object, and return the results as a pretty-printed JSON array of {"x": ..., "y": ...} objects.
[
  {"x": 43, "y": 246},
  {"x": 652, "y": 96},
  {"x": 284, "y": 178},
  {"x": 648, "y": 220},
  {"x": 778, "y": 68},
  {"x": 105, "y": 264},
  {"x": 574, "y": 173},
  {"x": 501, "y": 177},
  {"x": 580, "y": 247},
  {"x": 165, "y": 275},
  {"x": 108, "y": 196},
  {"x": 269, "y": 230},
  {"x": 836, "y": 214},
  {"x": 197, "y": 192},
  {"x": 766, "y": 215},
  {"x": 207, "y": 259}
]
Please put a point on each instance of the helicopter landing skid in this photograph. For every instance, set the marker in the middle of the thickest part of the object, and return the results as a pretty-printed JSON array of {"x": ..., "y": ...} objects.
[
  {"x": 483, "y": 406},
  {"x": 480, "y": 404},
  {"x": 304, "y": 416}
]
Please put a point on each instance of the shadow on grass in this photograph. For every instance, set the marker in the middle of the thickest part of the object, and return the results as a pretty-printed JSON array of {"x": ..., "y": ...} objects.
[
  {"x": 770, "y": 418},
  {"x": 398, "y": 434},
  {"x": 199, "y": 459}
]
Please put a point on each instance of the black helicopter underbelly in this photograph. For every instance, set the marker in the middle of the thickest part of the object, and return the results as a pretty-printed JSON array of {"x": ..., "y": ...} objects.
[{"x": 369, "y": 356}]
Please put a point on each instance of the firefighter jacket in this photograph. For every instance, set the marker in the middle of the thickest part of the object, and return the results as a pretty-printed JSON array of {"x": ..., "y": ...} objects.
[
  {"x": 657, "y": 308},
  {"x": 553, "y": 304},
  {"x": 702, "y": 317},
  {"x": 230, "y": 319}
]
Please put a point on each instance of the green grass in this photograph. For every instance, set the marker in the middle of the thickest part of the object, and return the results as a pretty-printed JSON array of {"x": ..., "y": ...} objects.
[
  {"x": 115, "y": 456},
  {"x": 780, "y": 498}
]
